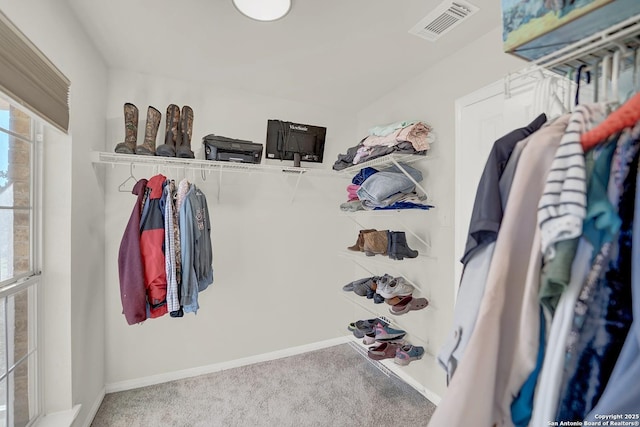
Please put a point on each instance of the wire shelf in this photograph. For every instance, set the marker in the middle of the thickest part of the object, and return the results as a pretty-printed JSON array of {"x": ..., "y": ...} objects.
[
  {"x": 202, "y": 165},
  {"x": 624, "y": 36},
  {"x": 387, "y": 160}
]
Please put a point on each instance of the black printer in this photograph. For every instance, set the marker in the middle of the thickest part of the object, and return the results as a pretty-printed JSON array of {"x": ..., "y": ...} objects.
[{"x": 231, "y": 150}]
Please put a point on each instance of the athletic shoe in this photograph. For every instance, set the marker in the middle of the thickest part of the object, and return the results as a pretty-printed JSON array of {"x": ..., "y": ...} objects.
[
  {"x": 396, "y": 287},
  {"x": 383, "y": 332},
  {"x": 407, "y": 353},
  {"x": 365, "y": 326}
]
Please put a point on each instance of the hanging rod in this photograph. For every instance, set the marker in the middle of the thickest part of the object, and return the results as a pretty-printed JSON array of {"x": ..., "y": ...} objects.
[{"x": 202, "y": 165}]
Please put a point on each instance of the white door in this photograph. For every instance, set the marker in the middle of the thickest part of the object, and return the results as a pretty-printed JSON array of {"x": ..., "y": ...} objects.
[{"x": 481, "y": 118}]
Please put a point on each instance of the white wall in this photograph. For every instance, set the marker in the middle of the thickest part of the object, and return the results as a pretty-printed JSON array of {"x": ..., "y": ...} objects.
[
  {"x": 73, "y": 285},
  {"x": 431, "y": 97},
  {"x": 277, "y": 276}
]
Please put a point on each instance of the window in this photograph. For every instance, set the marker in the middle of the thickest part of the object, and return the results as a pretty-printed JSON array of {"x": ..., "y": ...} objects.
[{"x": 19, "y": 272}]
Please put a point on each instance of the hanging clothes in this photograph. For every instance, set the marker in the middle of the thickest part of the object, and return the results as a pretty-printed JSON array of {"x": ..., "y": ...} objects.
[
  {"x": 151, "y": 248},
  {"x": 555, "y": 333},
  {"x": 491, "y": 197},
  {"x": 605, "y": 315},
  {"x": 508, "y": 319},
  {"x": 130, "y": 266},
  {"x": 487, "y": 208},
  {"x": 195, "y": 242},
  {"x": 172, "y": 248},
  {"x": 622, "y": 392}
]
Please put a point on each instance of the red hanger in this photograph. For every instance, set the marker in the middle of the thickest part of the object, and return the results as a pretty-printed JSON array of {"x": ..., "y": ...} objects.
[{"x": 625, "y": 116}]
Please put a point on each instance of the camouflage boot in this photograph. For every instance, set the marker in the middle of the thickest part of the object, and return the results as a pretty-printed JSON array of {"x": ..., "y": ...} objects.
[
  {"x": 171, "y": 139},
  {"x": 186, "y": 130},
  {"x": 130, "y": 130},
  {"x": 148, "y": 147}
]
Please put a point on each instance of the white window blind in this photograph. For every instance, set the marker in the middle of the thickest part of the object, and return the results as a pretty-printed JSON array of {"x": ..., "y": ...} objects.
[{"x": 30, "y": 78}]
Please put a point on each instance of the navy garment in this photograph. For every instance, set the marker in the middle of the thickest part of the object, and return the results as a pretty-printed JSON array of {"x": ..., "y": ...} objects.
[
  {"x": 487, "y": 208},
  {"x": 611, "y": 326},
  {"x": 362, "y": 176}
]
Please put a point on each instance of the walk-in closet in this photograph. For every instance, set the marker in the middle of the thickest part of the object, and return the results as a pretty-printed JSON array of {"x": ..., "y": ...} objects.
[{"x": 283, "y": 212}]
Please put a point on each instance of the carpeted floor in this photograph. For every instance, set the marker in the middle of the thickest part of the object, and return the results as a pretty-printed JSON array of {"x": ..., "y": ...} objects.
[{"x": 330, "y": 387}]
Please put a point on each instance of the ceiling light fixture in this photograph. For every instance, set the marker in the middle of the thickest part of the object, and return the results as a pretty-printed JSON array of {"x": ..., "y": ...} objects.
[{"x": 263, "y": 10}]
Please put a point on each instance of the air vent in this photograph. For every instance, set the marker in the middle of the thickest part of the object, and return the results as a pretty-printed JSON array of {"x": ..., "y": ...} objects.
[{"x": 443, "y": 19}]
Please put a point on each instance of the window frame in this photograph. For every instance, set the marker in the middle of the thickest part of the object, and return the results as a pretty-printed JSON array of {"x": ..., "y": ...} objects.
[{"x": 29, "y": 281}]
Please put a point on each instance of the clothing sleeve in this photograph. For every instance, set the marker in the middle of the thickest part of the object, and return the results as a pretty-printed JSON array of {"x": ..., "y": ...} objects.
[
  {"x": 188, "y": 297},
  {"x": 487, "y": 208}
]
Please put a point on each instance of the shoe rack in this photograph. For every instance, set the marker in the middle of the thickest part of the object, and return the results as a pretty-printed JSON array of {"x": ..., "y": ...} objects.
[{"x": 413, "y": 270}]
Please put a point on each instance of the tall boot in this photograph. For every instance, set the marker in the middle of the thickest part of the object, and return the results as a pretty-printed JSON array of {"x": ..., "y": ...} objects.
[
  {"x": 148, "y": 146},
  {"x": 359, "y": 245},
  {"x": 130, "y": 130},
  {"x": 168, "y": 149},
  {"x": 399, "y": 248},
  {"x": 375, "y": 242},
  {"x": 185, "y": 130}
]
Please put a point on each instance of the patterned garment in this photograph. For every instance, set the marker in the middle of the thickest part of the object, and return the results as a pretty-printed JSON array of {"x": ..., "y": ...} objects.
[
  {"x": 173, "y": 302},
  {"x": 563, "y": 205},
  {"x": 608, "y": 320}
]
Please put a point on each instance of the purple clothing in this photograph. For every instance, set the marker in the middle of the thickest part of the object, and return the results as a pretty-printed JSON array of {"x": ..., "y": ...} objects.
[{"x": 130, "y": 268}]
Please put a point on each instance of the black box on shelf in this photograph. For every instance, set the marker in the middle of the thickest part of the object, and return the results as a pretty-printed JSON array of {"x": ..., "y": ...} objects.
[{"x": 226, "y": 149}]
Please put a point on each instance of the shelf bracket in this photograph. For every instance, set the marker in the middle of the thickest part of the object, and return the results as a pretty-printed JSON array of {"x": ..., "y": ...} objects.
[
  {"x": 219, "y": 184},
  {"x": 295, "y": 188},
  {"x": 403, "y": 170}
]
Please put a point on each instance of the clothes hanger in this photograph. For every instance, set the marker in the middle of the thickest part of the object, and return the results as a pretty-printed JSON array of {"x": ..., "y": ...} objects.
[
  {"x": 581, "y": 68},
  {"x": 121, "y": 187},
  {"x": 627, "y": 115}
]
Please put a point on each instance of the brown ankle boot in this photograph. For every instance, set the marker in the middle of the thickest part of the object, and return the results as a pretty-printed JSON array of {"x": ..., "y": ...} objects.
[
  {"x": 130, "y": 130},
  {"x": 148, "y": 146},
  {"x": 376, "y": 242},
  {"x": 359, "y": 245}
]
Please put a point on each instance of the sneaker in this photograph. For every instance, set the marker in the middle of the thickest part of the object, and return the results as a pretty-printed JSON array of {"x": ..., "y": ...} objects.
[
  {"x": 407, "y": 353},
  {"x": 383, "y": 332},
  {"x": 396, "y": 287},
  {"x": 386, "y": 350},
  {"x": 362, "y": 327}
]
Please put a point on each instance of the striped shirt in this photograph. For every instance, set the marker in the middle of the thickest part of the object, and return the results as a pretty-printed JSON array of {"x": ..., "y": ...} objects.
[{"x": 563, "y": 205}]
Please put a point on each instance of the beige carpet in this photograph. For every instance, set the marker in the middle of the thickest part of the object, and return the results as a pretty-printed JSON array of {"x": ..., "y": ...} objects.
[{"x": 330, "y": 387}]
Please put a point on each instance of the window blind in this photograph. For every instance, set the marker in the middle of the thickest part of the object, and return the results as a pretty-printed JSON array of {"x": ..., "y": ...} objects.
[{"x": 28, "y": 76}]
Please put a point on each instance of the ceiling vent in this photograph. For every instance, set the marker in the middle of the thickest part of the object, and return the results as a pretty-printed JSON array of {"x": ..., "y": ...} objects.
[{"x": 443, "y": 19}]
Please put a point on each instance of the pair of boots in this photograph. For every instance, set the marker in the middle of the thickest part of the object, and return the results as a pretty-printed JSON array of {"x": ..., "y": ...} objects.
[
  {"x": 385, "y": 242},
  {"x": 179, "y": 129}
]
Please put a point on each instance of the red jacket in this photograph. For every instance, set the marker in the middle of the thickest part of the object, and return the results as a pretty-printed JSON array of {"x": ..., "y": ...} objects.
[{"x": 151, "y": 248}]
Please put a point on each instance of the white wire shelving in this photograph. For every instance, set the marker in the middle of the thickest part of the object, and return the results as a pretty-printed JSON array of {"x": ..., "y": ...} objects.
[
  {"x": 206, "y": 167},
  {"x": 387, "y": 160},
  {"x": 201, "y": 165},
  {"x": 621, "y": 40}
]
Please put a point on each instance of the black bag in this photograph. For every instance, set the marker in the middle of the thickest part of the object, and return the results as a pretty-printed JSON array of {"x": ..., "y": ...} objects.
[{"x": 231, "y": 150}]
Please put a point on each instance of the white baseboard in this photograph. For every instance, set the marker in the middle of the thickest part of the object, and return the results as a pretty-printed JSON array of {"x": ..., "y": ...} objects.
[
  {"x": 217, "y": 367},
  {"x": 59, "y": 419},
  {"x": 94, "y": 408},
  {"x": 430, "y": 395}
]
